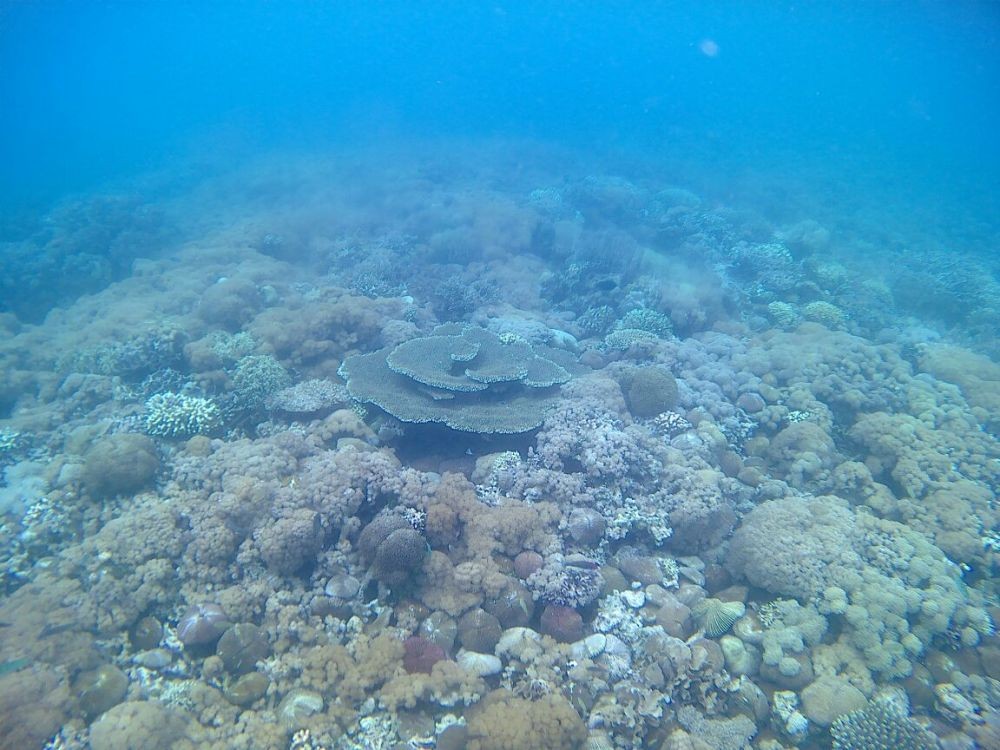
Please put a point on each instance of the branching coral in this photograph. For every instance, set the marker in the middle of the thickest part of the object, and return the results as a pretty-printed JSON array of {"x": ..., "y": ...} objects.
[
  {"x": 898, "y": 591},
  {"x": 883, "y": 725}
]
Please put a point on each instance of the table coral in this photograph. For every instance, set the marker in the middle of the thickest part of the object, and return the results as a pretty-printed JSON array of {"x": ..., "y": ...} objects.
[{"x": 466, "y": 378}]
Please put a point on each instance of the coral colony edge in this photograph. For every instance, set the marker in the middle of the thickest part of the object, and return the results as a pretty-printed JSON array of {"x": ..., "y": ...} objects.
[{"x": 446, "y": 454}]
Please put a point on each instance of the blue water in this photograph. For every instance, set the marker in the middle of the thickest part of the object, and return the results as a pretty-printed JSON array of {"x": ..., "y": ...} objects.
[
  {"x": 887, "y": 91},
  {"x": 499, "y": 375}
]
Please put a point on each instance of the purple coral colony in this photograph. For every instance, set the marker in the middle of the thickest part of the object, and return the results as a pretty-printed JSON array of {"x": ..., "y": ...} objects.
[{"x": 494, "y": 448}]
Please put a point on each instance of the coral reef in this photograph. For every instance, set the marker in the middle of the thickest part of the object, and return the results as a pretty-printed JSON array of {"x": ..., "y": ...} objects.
[{"x": 680, "y": 478}]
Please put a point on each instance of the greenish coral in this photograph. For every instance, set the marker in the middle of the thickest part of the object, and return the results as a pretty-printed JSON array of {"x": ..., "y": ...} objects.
[
  {"x": 789, "y": 628},
  {"x": 133, "y": 358},
  {"x": 12, "y": 445},
  {"x": 178, "y": 415},
  {"x": 9, "y": 439},
  {"x": 230, "y": 347},
  {"x": 899, "y": 592},
  {"x": 651, "y": 392},
  {"x": 595, "y": 321}
]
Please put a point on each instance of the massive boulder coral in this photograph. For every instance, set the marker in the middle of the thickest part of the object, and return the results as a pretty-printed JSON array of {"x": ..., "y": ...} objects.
[
  {"x": 894, "y": 589},
  {"x": 977, "y": 377},
  {"x": 883, "y": 725},
  {"x": 466, "y": 378}
]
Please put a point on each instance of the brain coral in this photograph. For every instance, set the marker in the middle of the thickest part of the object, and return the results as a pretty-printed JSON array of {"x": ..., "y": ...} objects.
[
  {"x": 466, "y": 378},
  {"x": 653, "y": 390},
  {"x": 393, "y": 547}
]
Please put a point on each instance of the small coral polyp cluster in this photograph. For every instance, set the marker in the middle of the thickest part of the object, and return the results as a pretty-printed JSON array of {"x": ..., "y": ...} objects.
[{"x": 632, "y": 472}]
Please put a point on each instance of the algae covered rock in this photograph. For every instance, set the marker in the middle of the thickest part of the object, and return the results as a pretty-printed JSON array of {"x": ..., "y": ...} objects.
[{"x": 247, "y": 689}]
